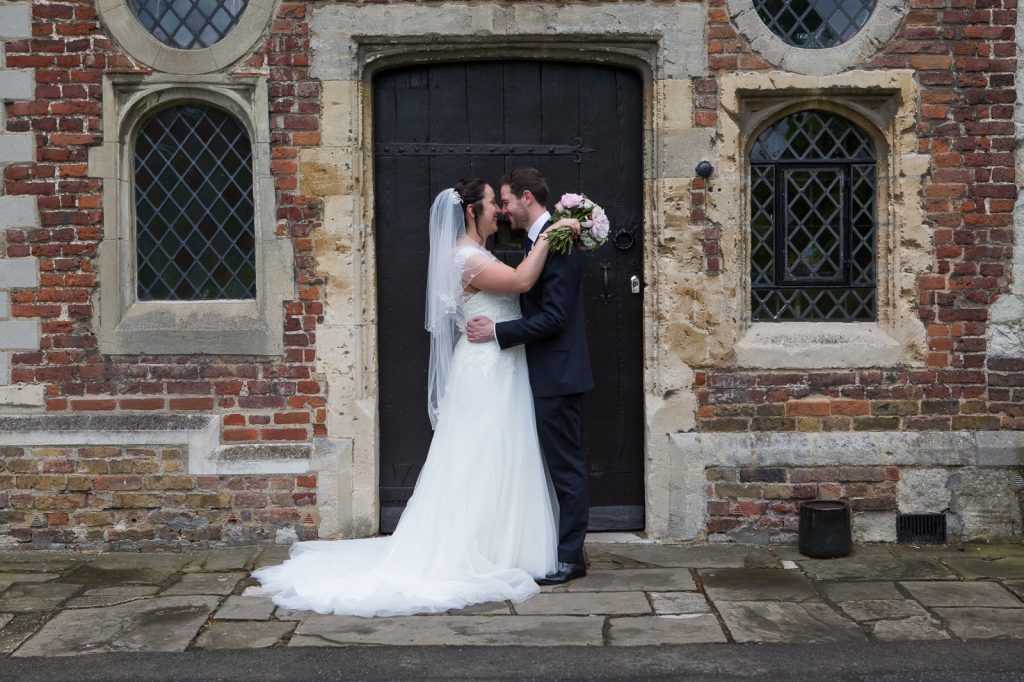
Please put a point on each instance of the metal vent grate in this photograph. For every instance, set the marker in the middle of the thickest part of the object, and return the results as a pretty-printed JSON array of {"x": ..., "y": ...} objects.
[{"x": 921, "y": 529}]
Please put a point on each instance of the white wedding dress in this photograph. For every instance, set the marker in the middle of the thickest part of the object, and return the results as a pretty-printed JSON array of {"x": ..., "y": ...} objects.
[{"x": 481, "y": 523}]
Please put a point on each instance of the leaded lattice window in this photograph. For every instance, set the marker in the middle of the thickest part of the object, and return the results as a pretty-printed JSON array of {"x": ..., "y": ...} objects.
[
  {"x": 189, "y": 24},
  {"x": 194, "y": 212},
  {"x": 814, "y": 24},
  {"x": 812, "y": 221}
]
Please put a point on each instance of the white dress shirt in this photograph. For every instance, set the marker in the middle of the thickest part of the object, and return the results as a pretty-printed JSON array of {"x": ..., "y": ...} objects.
[{"x": 537, "y": 226}]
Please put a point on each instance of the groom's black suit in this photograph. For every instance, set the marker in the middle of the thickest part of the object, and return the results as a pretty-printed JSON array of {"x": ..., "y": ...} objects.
[{"x": 553, "y": 329}]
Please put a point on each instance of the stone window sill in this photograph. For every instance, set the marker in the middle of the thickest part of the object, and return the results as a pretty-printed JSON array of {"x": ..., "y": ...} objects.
[
  {"x": 818, "y": 345},
  {"x": 194, "y": 327}
]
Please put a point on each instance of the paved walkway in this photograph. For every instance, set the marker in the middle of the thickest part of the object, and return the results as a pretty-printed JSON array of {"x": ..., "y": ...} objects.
[{"x": 61, "y": 604}]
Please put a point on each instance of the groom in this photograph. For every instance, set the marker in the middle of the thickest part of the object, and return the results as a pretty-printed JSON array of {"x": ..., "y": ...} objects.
[{"x": 552, "y": 327}]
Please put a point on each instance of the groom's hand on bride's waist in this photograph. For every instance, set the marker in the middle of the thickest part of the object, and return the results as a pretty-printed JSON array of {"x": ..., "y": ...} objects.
[{"x": 480, "y": 330}]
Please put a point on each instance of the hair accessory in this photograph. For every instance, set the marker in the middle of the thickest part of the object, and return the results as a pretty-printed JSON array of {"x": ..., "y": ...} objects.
[{"x": 456, "y": 199}]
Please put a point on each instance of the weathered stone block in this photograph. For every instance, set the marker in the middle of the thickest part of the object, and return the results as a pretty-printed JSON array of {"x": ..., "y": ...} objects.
[
  {"x": 19, "y": 334},
  {"x": 17, "y": 211},
  {"x": 17, "y": 148},
  {"x": 872, "y": 526},
  {"x": 924, "y": 491}
]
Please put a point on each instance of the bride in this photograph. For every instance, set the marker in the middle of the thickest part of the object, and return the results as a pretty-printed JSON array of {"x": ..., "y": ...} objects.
[{"x": 480, "y": 525}]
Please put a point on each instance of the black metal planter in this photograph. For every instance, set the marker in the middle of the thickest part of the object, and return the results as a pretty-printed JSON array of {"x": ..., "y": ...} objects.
[{"x": 824, "y": 531}]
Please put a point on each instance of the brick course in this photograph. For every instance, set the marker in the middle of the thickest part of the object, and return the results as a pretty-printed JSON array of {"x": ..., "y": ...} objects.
[
  {"x": 746, "y": 511},
  {"x": 109, "y": 497}
]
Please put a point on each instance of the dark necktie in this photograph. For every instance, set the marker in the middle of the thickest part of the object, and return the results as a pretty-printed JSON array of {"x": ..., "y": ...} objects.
[{"x": 527, "y": 245}]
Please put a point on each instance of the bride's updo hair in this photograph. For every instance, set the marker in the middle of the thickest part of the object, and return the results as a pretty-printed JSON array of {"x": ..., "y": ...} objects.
[{"x": 471, "y": 190}]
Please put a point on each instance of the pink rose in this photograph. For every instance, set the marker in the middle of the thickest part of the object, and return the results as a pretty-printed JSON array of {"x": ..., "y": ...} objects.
[
  {"x": 600, "y": 226},
  {"x": 571, "y": 201}
]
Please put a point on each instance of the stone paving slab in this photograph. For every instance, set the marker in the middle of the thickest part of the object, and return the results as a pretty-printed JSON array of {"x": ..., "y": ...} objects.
[
  {"x": 158, "y": 624},
  {"x": 876, "y": 566},
  {"x": 984, "y": 623},
  {"x": 666, "y": 603},
  {"x": 8, "y": 579},
  {"x": 912, "y": 628},
  {"x": 120, "y": 568},
  {"x": 205, "y": 583},
  {"x": 47, "y": 562},
  {"x": 111, "y": 596},
  {"x": 1015, "y": 586},
  {"x": 271, "y": 556},
  {"x": 657, "y": 630},
  {"x": 860, "y": 591},
  {"x": 20, "y": 628},
  {"x": 490, "y": 608},
  {"x": 291, "y": 614},
  {"x": 246, "y": 608},
  {"x": 5, "y": 618},
  {"x": 585, "y": 603},
  {"x": 629, "y": 580},
  {"x": 232, "y": 559},
  {"x": 756, "y": 584},
  {"x": 451, "y": 631},
  {"x": 972, "y": 567},
  {"x": 769, "y": 621},
  {"x": 22, "y": 597},
  {"x": 963, "y": 594},
  {"x": 252, "y": 635},
  {"x": 698, "y": 556},
  {"x": 882, "y": 609}
]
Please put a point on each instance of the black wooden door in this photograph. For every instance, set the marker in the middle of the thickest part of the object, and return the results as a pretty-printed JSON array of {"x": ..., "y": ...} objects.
[{"x": 581, "y": 126}]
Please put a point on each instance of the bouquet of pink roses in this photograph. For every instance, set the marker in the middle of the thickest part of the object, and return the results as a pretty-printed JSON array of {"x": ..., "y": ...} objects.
[{"x": 592, "y": 219}]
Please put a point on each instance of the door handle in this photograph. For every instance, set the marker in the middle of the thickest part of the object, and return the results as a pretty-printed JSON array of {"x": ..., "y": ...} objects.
[
  {"x": 634, "y": 284},
  {"x": 606, "y": 296}
]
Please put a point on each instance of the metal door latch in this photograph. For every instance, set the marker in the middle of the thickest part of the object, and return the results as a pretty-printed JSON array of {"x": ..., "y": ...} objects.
[{"x": 634, "y": 284}]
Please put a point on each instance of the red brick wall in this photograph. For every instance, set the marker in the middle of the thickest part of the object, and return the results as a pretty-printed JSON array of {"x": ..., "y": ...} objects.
[
  {"x": 261, "y": 399},
  {"x": 963, "y": 53},
  {"x": 764, "y": 501},
  {"x": 138, "y": 497}
]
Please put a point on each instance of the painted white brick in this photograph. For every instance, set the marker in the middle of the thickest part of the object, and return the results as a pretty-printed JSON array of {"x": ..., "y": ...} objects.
[
  {"x": 16, "y": 20},
  {"x": 15, "y": 85},
  {"x": 15, "y": 147},
  {"x": 5, "y": 305},
  {"x": 18, "y": 212},
  {"x": 5, "y": 369},
  {"x": 18, "y": 273},
  {"x": 19, "y": 334}
]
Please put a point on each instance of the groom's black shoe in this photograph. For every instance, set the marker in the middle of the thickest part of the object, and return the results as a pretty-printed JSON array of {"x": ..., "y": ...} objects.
[{"x": 564, "y": 572}]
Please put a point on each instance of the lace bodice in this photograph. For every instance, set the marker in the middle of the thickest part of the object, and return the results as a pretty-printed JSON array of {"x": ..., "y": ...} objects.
[{"x": 498, "y": 307}]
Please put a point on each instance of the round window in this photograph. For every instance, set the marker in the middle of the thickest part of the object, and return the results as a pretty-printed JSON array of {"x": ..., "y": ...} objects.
[
  {"x": 814, "y": 24},
  {"x": 188, "y": 24}
]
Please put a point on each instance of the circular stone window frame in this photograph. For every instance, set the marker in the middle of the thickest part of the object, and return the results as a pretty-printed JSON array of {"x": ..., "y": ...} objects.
[
  {"x": 140, "y": 44},
  {"x": 880, "y": 28}
]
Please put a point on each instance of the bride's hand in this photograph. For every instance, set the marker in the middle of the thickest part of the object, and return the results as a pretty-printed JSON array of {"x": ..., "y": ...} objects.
[{"x": 572, "y": 224}]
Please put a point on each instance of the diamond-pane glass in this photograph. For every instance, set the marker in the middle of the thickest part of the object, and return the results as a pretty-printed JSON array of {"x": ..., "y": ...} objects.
[
  {"x": 812, "y": 136},
  {"x": 194, "y": 213},
  {"x": 814, "y": 24},
  {"x": 812, "y": 221},
  {"x": 813, "y": 229},
  {"x": 189, "y": 24}
]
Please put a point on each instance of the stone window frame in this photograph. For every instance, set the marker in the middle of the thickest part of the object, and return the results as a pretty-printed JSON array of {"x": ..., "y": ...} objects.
[
  {"x": 778, "y": 227},
  {"x": 883, "y": 105},
  {"x": 880, "y": 28},
  {"x": 128, "y": 326},
  {"x": 130, "y": 34}
]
